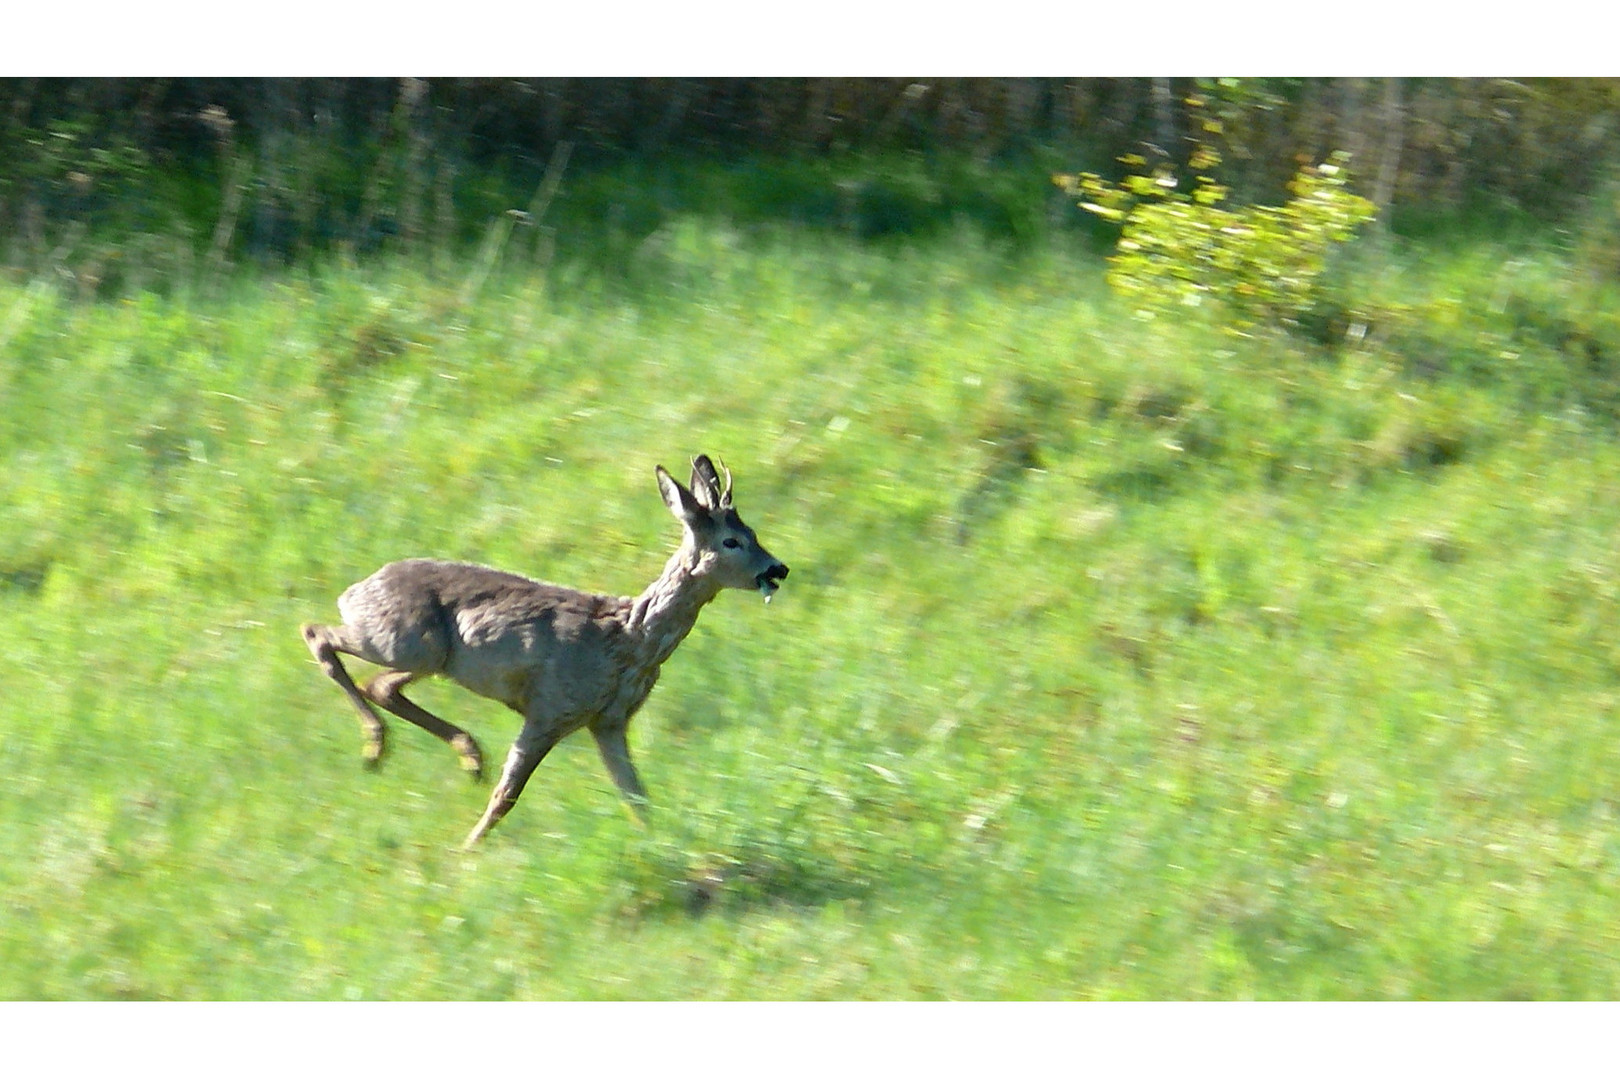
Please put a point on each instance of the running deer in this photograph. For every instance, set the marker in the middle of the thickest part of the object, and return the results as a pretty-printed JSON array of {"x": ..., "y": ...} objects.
[{"x": 561, "y": 658}]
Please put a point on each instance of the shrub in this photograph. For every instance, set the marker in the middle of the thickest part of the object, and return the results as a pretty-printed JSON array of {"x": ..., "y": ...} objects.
[{"x": 1259, "y": 264}]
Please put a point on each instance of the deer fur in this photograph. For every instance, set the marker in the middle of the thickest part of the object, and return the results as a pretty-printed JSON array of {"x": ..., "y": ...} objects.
[{"x": 561, "y": 658}]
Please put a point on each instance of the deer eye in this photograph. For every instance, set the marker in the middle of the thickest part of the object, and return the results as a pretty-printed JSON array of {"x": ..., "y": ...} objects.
[{"x": 731, "y": 542}]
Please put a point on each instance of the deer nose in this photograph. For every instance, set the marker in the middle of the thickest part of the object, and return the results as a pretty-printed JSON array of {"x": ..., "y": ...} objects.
[{"x": 776, "y": 573}]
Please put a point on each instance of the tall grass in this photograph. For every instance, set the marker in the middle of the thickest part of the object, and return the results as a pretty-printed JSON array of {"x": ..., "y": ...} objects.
[{"x": 1118, "y": 660}]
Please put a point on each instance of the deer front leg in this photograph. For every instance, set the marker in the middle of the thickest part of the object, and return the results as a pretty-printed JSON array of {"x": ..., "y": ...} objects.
[
  {"x": 616, "y": 756},
  {"x": 529, "y": 750}
]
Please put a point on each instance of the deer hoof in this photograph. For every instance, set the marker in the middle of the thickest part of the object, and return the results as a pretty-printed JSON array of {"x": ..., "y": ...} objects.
[{"x": 472, "y": 760}]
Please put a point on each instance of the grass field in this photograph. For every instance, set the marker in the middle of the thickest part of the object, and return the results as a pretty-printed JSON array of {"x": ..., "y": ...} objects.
[{"x": 1119, "y": 659}]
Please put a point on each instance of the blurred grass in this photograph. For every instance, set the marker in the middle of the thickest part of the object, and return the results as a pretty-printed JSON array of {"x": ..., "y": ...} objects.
[{"x": 1118, "y": 660}]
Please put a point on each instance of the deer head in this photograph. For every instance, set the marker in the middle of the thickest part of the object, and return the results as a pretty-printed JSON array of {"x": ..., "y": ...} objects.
[{"x": 725, "y": 549}]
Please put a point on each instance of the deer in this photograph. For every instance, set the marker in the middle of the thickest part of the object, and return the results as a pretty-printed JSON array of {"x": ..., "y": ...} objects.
[{"x": 561, "y": 658}]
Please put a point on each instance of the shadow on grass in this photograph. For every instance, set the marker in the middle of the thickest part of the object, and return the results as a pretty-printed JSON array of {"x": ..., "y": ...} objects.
[{"x": 674, "y": 883}]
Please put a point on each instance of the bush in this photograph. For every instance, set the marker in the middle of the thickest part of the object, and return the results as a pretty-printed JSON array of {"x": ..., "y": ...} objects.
[{"x": 1260, "y": 264}]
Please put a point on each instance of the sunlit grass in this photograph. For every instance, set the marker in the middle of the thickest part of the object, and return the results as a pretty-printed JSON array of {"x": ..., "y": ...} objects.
[{"x": 1118, "y": 659}]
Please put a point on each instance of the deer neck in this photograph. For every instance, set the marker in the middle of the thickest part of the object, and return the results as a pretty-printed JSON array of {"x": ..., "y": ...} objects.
[{"x": 662, "y": 616}]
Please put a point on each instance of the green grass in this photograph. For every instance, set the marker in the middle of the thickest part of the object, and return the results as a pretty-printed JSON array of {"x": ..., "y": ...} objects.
[{"x": 1119, "y": 660}]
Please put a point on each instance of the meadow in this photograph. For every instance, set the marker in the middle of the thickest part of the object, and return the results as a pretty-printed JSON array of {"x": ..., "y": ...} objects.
[{"x": 1120, "y": 658}]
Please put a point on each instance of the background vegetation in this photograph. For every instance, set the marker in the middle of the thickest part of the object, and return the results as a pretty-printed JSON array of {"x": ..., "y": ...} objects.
[{"x": 1129, "y": 651}]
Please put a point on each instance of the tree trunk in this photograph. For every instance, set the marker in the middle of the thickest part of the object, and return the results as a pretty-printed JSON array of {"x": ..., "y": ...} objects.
[
  {"x": 1164, "y": 119},
  {"x": 1393, "y": 121}
]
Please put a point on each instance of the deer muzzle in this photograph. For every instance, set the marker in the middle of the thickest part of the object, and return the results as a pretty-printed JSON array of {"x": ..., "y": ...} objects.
[{"x": 768, "y": 582}]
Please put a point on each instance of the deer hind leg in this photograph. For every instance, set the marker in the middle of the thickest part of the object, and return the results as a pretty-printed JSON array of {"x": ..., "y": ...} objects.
[
  {"x": 616, "y": 756},
  {"x": 529, "y": 750},
  {"x": 387, "y": 690},
  {"x": 325, "y": 642}
]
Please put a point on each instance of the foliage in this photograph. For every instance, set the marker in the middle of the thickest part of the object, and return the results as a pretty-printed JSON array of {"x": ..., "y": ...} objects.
[
  {"x": 1180, "y": 250},
  {"x": 75, "y": 190},
  {"x": 117, "y": 180}
]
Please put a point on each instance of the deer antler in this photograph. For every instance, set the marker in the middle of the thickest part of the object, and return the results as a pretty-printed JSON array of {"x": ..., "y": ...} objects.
[{"x": 725, "y": 493}]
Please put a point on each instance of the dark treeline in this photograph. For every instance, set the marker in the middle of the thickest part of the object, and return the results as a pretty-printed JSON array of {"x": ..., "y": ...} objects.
[{"x": 299, "y": 164}]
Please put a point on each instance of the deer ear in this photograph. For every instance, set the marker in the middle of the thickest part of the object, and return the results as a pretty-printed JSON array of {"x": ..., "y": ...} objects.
[
  {"x": 705, "y": 484},
  {"x": 680, "y": 501}
]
